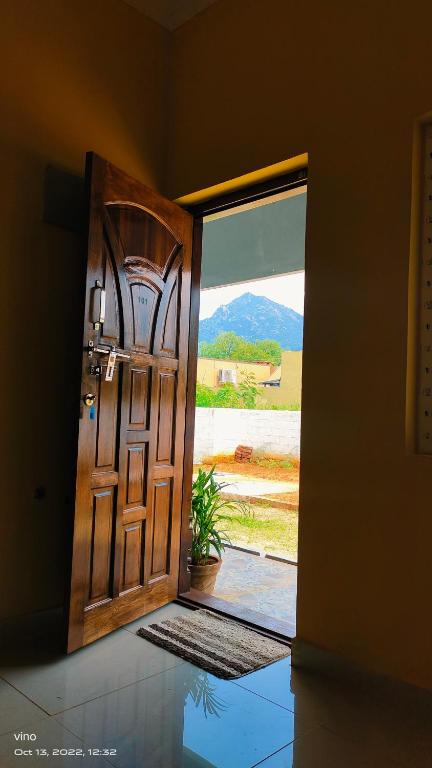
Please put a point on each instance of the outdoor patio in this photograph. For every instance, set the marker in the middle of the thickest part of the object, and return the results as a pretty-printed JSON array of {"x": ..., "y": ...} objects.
[{"x": 258, "y": 583}]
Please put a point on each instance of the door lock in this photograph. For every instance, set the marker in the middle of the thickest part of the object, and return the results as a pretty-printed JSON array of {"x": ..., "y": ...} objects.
[
  {"x": 113, "y": 353},
  {"x": 89, "y": 399}
]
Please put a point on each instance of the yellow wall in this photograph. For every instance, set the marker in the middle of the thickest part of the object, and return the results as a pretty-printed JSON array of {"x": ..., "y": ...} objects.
[
  {"x": 89, "y": 74},
  {"x": 289, "y": 391},
  {"x": 208, "y": 370},
  {"x": 257, "y": 82}
]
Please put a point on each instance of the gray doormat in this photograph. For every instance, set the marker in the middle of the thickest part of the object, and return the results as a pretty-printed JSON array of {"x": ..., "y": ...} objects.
[{"x": 221, "y": 646}]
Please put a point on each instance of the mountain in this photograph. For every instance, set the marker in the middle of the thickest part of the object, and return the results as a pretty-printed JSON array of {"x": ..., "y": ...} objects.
[{"x": 255, "y": 318}]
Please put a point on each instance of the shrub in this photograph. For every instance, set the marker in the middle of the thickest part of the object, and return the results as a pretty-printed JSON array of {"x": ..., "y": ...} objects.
[
  {"x": 245, "y": 396},
  {"x": 207, "y": 505}
]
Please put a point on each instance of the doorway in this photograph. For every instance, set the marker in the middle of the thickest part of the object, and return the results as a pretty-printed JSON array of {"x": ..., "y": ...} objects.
[{"x": 245, "y": 395}]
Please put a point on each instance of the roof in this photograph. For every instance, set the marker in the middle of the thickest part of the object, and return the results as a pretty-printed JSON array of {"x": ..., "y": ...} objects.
[{"x": 275, "y": 378}]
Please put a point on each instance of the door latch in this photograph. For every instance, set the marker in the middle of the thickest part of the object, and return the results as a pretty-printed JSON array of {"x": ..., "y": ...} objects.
[{"x": 113, "y": 353}]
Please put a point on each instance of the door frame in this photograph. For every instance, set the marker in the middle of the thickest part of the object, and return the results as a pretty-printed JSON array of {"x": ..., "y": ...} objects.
[{"x": 217, "y": 204}]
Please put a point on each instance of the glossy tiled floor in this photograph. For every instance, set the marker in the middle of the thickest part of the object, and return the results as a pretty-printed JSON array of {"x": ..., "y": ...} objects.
[{"x": 150, "y": 709}]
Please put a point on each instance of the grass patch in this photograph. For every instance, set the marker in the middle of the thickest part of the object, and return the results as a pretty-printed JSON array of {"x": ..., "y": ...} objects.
[
  {"x": 272, "y": 463},
  {"x": 288, "y": 407},
  {"x": 265, "y": 528}
]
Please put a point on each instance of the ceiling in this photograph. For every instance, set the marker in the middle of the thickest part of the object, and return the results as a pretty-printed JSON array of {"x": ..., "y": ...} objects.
[
  {"x": 263, "y": 241},
  {"x": 170, "y": 13}
]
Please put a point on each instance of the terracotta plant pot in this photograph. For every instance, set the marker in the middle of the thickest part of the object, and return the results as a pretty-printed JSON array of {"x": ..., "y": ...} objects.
[{"x": 203, "y": 577}]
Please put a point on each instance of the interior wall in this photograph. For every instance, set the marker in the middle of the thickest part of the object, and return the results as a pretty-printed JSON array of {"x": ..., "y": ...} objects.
[
  {"x": 85, "y": 75},
  {"x": 255, "y": 83},
  {"x": 259, "y": 82}
]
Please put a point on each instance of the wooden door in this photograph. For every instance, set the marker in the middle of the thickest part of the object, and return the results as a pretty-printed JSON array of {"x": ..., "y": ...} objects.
[{"x": 126, "y": 538}]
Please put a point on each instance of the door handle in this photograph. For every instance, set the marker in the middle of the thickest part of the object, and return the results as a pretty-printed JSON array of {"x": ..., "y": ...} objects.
[
  {"x": 102, "y": 306},
  {"x": 100, "y": 319}
]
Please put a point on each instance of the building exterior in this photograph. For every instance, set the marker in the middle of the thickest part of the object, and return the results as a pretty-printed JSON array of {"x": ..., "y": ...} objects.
[
  {"x": 278, "y": 385},
  {"x": 210, "y": 371},
  {"x": 288, "y": 376}
]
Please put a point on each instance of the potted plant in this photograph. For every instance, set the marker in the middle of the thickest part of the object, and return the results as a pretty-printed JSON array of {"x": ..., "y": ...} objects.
[{"x": 207, "y": 505}]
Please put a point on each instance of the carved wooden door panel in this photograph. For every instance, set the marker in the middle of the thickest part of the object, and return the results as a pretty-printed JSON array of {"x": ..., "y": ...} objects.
[{"x": 126, "y": 539}]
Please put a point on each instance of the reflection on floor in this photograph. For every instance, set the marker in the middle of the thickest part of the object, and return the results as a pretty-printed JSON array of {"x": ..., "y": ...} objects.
[
  {"x": 149, "y": 709},
  {"x": 259, "y": 584}
]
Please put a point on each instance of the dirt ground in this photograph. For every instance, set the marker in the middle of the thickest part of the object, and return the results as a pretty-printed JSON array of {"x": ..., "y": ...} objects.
[
  {"x": 267, "y": 472},
  {"x": 293, "y": 497},
  {"x": 249, "y": 469}
]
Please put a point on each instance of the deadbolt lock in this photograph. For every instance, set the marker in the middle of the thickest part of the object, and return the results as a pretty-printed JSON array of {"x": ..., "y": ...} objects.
[{"x": 89, "y": 399}]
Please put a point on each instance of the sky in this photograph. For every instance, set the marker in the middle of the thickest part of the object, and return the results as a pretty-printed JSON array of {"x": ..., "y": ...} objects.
[{"x": 285, "y": 289}]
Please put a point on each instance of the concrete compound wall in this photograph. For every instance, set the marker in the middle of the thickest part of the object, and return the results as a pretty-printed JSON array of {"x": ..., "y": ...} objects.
[{"x": 221, "y": 430}]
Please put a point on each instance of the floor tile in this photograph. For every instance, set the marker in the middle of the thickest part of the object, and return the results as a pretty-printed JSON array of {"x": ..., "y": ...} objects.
[
  {"x": 120, "y": 659},
  {"x": 273, "y": 683},
  {"x": 16, "y": 711},
  {"x": 50, "y": 736},
  {"x": 184, "y": 718},
  {"x": 398, "y": 725},
  {"x": 322, "y": 749},
  {"x": 166, "y": 612}
]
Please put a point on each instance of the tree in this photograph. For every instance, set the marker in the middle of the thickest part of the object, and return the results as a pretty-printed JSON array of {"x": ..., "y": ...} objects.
[
  {"x": 229, "y": 346},
  {"x": 269, "y": 350},
  {"x": 224, "y": 346}
]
